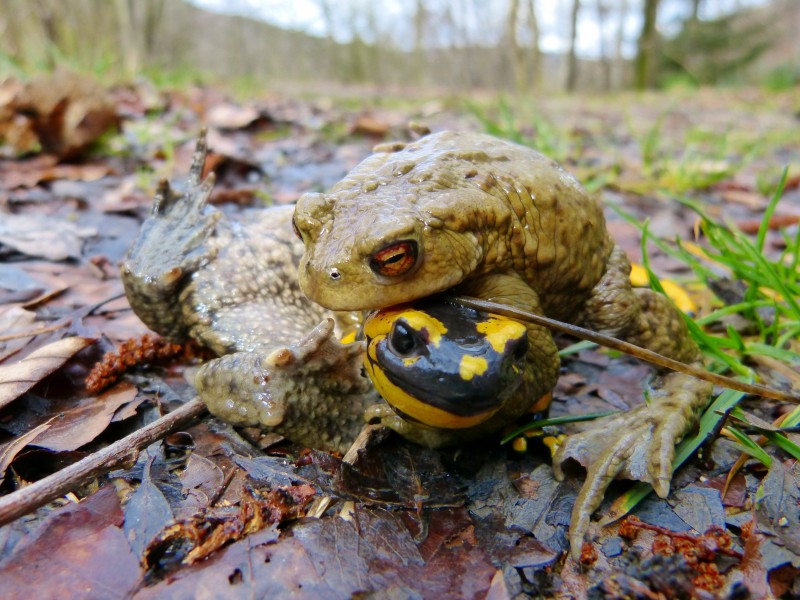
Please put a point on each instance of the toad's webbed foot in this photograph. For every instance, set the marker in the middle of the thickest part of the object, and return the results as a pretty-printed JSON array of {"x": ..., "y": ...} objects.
[
  {"x": 639, "y": 445},
  {"x": 313, "y": 391},
  {"x": 171, "y": 246}
]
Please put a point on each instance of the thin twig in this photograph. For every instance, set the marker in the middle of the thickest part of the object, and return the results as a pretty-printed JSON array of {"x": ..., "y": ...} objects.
[
  {"x": 628, "y": 348},
  {"x": 34, "y": 332},
  {"x": 58, "y": 484}
]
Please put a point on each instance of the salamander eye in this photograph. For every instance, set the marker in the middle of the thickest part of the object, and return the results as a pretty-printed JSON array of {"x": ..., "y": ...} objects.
[
  {"x": 404, "y": 341},
  {"x": 296, "y": 229},
  {"x": 395, "y": 259}
]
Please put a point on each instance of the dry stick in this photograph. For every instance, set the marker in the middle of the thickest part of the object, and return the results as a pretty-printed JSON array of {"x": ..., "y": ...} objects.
[
  {"x": 58, "y": 484},
  {"x": 34, "y": 332},
  {"x": 626, "y": 347}
]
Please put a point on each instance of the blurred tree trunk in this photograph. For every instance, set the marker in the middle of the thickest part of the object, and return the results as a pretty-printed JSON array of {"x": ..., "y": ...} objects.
[
  {"x": 329, "y": 60},
  {"x": 420, "y": 18},
  {"x": 572, "y": 59},
  {"x": 130, "y": 50},
  {"x": 49, "y": 22},
  {"x": 536, "y": 53},
  {"x": 619, "y": 60},
  {"x": 605, "y": 60},
  {"x": 645, "y": 57},
  {"x": 695, "y": 16},
  {"x": 514, "y": 49},
  {"x": 138, "y": 22}
]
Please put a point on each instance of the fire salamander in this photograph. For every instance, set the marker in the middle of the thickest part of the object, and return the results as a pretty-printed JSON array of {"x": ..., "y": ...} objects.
[{"x": 442, "y": 365}]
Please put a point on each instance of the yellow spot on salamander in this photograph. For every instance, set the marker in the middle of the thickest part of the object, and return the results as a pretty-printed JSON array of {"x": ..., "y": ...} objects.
[
  {"x": 380, "y": 323},
  {"x": 674, "y": 291},
  {"x": 472, "y": 366},
  {"x": 553, "y": 443},
  {"x": 349, "y": 338},
  {"x": 499, "y": 330},
  {"x": 413, "y": 407}
]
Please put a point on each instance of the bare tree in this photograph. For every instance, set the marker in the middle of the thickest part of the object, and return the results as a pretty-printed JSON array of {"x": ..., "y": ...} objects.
[
  {"x": 619, "y": 60},
  {"x": 645, "y": 69},
  {"x": 695, "y": 15},
  {"x": 605, "y": 60},
  {"x": 536, "y": 53},
  {"x": 572, "y": 57},
  {"x": 516, "y": 52},
  {"x": 420, "y": 19}
]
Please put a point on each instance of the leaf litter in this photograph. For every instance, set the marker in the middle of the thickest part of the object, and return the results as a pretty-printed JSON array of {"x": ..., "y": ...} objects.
[{"x": 409, "y": 522}]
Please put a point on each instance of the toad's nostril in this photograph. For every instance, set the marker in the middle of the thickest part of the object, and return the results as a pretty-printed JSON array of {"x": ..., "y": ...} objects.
[{"x": 334, "y": 274}]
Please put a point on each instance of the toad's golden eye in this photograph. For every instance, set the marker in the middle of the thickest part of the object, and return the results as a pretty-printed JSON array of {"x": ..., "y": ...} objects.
[
  {"x": 395, "y": 259},
  {"x": 295, "y": 229}
]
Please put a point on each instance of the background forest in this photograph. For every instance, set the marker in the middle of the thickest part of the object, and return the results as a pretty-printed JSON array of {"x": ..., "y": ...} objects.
[{"x": 522, "y": 45}]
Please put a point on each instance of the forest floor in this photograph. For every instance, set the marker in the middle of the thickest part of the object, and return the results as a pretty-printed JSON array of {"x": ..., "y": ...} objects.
[{"x": 77, "y": 176}]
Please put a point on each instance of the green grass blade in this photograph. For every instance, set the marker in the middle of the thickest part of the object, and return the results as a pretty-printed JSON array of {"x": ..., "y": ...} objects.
[
  {"x": 770, "y": 210},
  {"x": 542, "y": 423},
  {"x": 748, "y": 446}
]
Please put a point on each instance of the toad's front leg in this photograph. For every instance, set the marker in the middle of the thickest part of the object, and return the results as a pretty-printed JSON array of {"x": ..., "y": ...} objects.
[
  {"x": 173, "y": 244},
  {"x": 312, "y": 391},
  {"x": 639, "y": 444}
]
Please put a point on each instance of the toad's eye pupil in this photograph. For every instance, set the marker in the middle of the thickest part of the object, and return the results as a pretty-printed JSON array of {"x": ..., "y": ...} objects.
[
  {"x": 402, "y": 340},
  {"x": 395, "y": 259}
]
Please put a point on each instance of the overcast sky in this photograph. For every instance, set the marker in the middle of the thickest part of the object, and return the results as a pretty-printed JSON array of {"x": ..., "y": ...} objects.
[{"x": 481, "y": 19}]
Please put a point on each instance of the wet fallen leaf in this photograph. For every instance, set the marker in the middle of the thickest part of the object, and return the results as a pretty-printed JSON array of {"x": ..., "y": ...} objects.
[
  {"x": 9, "y": 450},
  {"x": 776, "y": 511},
  {"x": 202, "y": 480},
  {"x": 753, "y": 568},
  {"x": 194, "y": 539},
  {"x": 370, "y": 125},
  {"x": 43, "y": 169},
  {"x": 17, "y": 378},
  {"x": 14, "y": 323},
  {"x": 44, "y": 236},
  {"x": 67, "y": 111},
  {"x": 147, "y": 511},
  {"x": 78, "y": 550},
  {"x": 79, "y": 425},
  {"x": 232, "y": 116}
]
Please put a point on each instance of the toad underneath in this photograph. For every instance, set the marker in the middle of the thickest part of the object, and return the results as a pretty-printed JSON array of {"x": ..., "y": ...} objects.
[{"x": 452, "y": 212}]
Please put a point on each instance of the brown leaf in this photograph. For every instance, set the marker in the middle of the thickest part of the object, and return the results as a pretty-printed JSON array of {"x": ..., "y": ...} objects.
[
  {"x": 17, "y": 378},
  {"x": 255, "y": 567},
  {"x": 752, "y": 566},
  {"x": 42, "y": 169},
  {"x": 232, "y": 116},
  {"x": 79, "y": 550},
  {"x": 194, "y": 539},
  {"x": 147, "y": 512},
  {"x": 79, "y": 425},
  {"x": 9, "y": 450},
  {"x": 42, "y": 235},
  {"x": 369, "y": 125},
  {"x": 66, "y": 110},
  {"x": 15, "y": 320}
]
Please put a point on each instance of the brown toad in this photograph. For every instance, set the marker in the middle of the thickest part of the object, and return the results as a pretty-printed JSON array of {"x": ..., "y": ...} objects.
[{"x": 485, "y": 217}]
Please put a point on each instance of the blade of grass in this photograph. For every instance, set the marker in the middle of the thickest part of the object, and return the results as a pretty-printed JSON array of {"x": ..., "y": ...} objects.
[
  {"x": 770, "y": 210},
  {"x": 749, "y": 446},
  {"x": 542, "y": 423},
  {"x": 710, "y": 344}
]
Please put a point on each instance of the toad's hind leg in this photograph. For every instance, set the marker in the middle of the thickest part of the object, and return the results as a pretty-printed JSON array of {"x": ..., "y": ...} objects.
[{"x": 639, "y": 444}]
